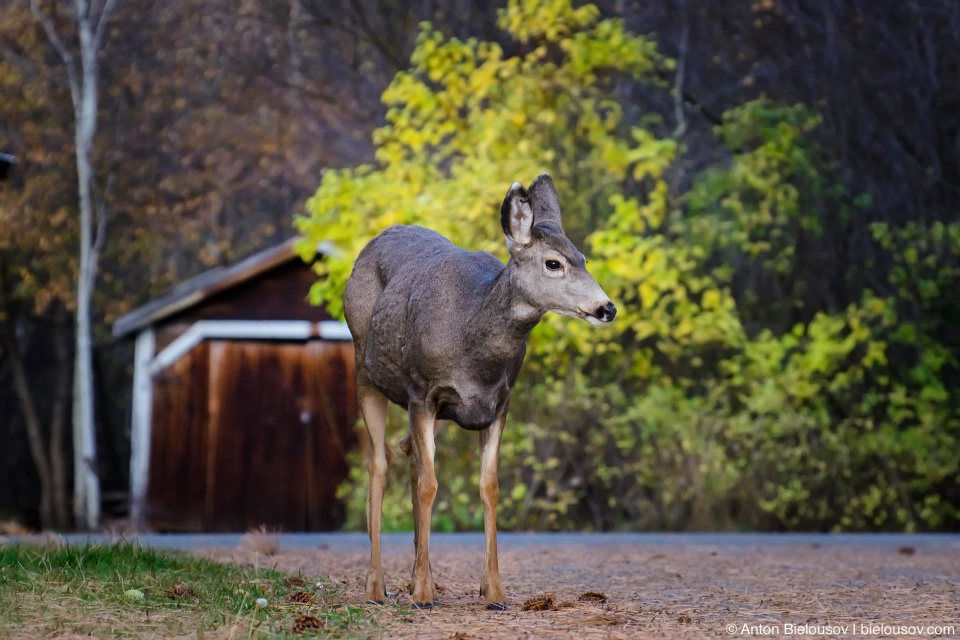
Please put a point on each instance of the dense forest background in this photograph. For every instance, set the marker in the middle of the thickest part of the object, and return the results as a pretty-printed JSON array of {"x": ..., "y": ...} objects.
[{"x": 768, "y": 189}]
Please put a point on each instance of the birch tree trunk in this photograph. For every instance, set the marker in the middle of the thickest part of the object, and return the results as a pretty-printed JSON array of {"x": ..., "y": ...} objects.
[
  {"x": 86, "y": 505},
  {"x": 83, "y": 91}
]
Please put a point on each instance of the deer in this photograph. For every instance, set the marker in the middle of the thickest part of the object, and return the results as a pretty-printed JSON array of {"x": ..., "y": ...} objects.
[{"x": 441, "y": 332}]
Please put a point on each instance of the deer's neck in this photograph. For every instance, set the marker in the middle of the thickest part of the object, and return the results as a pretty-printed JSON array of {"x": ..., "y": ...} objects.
[{"x": 500, "y": 327}]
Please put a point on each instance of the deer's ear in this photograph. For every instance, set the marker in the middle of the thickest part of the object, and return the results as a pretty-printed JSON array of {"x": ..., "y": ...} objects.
[
  {"x": 516, "y": 217},
  {"x": 545, "y": 202}
]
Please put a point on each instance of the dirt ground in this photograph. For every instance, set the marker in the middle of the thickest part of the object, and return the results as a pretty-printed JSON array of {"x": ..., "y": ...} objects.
[{"x": 666, "y": 591}]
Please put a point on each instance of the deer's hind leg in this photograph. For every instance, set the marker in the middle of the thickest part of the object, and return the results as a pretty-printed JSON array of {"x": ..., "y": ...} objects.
[{"x": 373, "y": 407}]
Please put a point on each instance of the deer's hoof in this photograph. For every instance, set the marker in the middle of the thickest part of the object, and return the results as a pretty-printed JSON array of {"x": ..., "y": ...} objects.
[
  {"x": 497, "y": 606},
  {"x": 436, "y": 602},
  {"x": 377, "y": 602},
  {"x": 423, "y": 606}
]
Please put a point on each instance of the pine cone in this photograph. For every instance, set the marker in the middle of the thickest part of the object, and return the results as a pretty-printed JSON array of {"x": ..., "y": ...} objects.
[
  {"x": 305, "y": 623},
  {"x": 301, "y": 597}
]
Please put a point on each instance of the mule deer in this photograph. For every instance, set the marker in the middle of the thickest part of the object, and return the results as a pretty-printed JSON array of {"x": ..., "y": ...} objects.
[{"x": 442, "y": 332}]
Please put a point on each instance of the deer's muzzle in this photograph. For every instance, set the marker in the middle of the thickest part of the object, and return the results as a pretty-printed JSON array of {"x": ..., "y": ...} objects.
[{"x": 606, "y": 313}]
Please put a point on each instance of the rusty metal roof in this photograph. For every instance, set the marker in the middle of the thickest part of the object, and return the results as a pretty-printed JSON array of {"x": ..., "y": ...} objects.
[{"x": 203, "y": 286}]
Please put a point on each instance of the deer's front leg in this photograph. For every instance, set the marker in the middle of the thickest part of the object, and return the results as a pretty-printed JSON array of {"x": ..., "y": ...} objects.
[
  {"x": 422, "y": 422},
  {"x": 490, "y": 587},
  {"x": 373, "y": 407}
]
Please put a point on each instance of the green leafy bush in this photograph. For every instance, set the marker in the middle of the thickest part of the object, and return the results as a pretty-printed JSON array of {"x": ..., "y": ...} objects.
[{"x": 723, "y": 396}]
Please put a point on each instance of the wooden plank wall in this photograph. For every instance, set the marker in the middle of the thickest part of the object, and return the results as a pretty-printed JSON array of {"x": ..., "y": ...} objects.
[
  {"x": 178, "y": 444},
  {"x": 279, "y": 294},
  {"x": 330, "y": 401},
  {"x": 248, "y": 433}
]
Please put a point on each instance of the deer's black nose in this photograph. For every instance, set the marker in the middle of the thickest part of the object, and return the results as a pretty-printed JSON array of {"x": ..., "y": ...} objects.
[{"x": 607, "y": 312}]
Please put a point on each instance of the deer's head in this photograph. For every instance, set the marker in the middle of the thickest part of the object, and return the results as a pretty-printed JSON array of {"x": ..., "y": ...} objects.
[{"x": 550, "y": 273}]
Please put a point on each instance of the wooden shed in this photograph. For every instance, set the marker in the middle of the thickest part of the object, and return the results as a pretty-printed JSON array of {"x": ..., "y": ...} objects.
[{"x": 244, "y": 402}]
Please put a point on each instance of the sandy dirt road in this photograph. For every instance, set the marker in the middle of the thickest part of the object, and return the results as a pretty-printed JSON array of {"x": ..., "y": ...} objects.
[{"x": 660, "y": 586}]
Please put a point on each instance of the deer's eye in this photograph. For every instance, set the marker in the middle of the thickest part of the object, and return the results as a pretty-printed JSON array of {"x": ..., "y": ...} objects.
[{"x": 553, "y": 265}]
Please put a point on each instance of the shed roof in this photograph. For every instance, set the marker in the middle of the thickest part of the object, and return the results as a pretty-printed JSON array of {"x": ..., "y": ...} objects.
[{"x": 195, "y": 290}]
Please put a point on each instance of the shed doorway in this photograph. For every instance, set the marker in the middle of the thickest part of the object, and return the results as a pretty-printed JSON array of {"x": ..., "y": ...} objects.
[{"x": 259, "y": 441}]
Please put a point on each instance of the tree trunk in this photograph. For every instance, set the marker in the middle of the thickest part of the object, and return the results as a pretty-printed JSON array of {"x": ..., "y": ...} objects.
[
  {"x": 86, "y": 481},
  {"x": 83, "y": 91},
  {"x": 58, "y": 420},
  {"x": 31, "y": 419}
]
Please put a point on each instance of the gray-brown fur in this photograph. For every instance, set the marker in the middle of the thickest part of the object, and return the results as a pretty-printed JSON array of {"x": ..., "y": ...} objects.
[
  {"x": 433, "y": 299},
  {"x": 441, "y": 331}
]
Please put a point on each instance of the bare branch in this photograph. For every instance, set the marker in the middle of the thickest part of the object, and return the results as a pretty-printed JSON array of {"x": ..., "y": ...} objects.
[
  {"x": 103, "y": 212},
  {"x": 678, "y": 108},
  {"x": 102, "y": 216},
  {"x": 51, "y": 32},
  {"x": 25, "y": 65},
  {"x": 375, "y": 39},
  {"x": 60, "y": 47},
  {"x": 102, "y": 23}
]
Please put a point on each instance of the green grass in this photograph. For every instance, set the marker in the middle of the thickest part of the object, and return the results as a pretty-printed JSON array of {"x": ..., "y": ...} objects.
[{"x": 82, "y": 590}]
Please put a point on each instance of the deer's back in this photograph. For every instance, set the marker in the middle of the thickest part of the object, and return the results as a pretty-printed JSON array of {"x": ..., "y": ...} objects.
[{"x": 408, "y": 297}]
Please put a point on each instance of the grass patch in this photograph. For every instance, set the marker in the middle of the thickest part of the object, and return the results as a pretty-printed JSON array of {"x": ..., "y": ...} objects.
[{"x": 94, "y": 590}]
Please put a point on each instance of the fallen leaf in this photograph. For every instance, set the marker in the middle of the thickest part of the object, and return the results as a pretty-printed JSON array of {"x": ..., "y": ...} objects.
[
  {"x": 540, "y": 603},
  {"x": 602, "y": 619},
  {"x": 593, "y": 596},
  {"x": 177, "y": 590}
]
